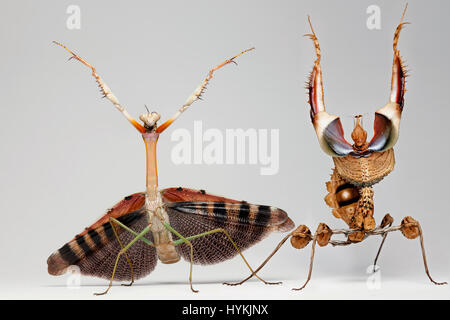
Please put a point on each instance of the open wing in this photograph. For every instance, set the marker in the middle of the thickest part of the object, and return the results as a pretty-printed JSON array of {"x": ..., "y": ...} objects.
[
  {"x": 195, "y": 211},
  {"x": 95, "y": 250}
]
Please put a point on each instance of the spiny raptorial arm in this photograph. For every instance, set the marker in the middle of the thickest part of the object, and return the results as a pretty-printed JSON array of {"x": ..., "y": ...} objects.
[
  {"x": 105, "y": 90},
  {"x": 399, "y": 73},
  {"x": 387, "y": 119},
  {"x": 314, "y": 84},
  {"x": 328, "y": 127},
  {"x": 198, "y": 92}
]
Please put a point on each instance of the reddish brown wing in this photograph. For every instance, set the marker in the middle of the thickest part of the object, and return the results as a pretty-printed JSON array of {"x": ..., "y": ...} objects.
[
  {"x": 95, "y": 250},
  {"x": 194, "y": 211},
  {"x": 130, "y": 203},
  {"x": 185, "y": 194}
]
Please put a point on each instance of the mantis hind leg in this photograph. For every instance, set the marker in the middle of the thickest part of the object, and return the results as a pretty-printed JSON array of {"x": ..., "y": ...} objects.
[
  {"x": 240, "y": 253},
  {"x": 386, "y": 222},
  {"x": 139, "y": 236},
  {"x": 203, "y": 234},
  {"x": 262, "y": 264},
  {"x": 427, "y": 271},
  {"x": 113, "y": 221},
  {"x": 311, "y": 262},
  {"x": 185, "y": 240}
]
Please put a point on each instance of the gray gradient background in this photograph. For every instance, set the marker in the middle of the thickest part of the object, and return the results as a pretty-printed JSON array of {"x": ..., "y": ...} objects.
[{"x": 67, "y": 155}]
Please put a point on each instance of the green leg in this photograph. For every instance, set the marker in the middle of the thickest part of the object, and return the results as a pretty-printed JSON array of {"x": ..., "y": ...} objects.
[
  {"x": 113, "y": 221},
  {"x": 122, "y": 251},
  {"x": 132, "y": 231},
  {"x": 183, "y": 240}
]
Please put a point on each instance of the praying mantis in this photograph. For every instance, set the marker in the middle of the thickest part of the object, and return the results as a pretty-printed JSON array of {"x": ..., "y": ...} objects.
[
  {"x": 126, "y": 242},
  {"x": 358, "y": 167},
  {"x": 173, "y": 223}
]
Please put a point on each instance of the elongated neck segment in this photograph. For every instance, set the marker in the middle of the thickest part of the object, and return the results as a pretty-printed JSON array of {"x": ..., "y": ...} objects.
[{"x": 150, "y": 140}]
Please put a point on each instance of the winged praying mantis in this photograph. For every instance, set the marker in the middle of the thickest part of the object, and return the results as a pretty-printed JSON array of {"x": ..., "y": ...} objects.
[{"x": 126, "y": 242}]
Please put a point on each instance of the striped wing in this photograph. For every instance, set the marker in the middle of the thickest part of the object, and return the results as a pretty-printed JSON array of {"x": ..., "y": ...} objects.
[
  {"x": 246, "y": 223},
  {"x": 95, "y": 250}
]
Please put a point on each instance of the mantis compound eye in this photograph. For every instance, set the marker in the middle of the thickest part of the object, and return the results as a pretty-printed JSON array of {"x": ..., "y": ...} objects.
[{"x": 150, "y": 119}]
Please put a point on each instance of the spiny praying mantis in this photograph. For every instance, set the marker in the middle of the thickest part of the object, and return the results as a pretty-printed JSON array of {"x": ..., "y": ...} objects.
[{"x": 358, "y": 167}]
